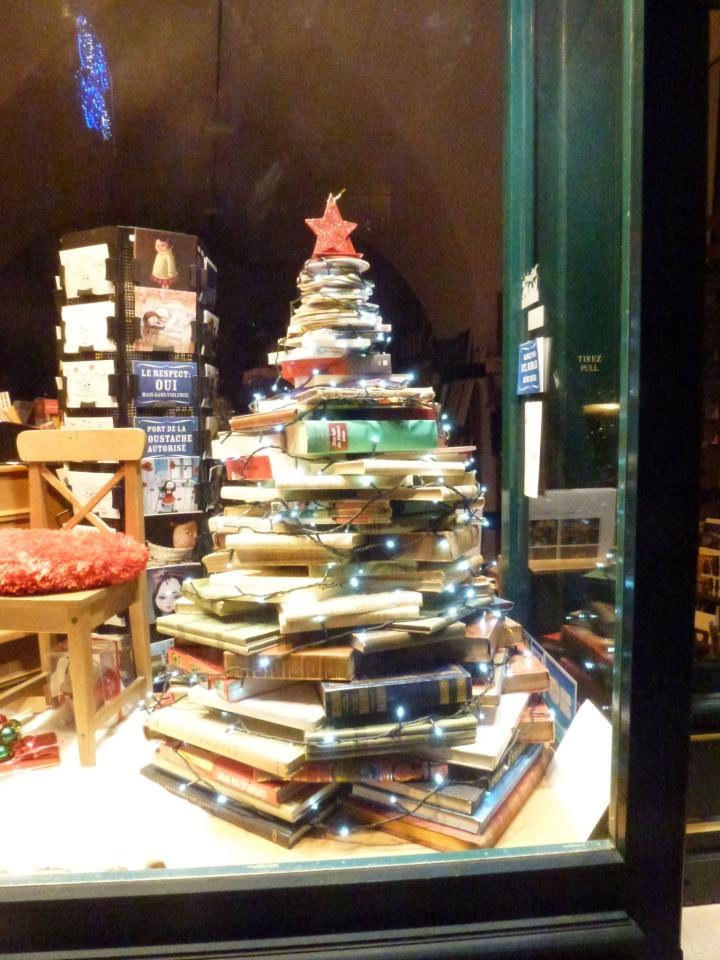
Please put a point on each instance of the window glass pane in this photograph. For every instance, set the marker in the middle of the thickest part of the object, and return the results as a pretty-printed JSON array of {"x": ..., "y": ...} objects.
[{"x": 231, "y": 125}]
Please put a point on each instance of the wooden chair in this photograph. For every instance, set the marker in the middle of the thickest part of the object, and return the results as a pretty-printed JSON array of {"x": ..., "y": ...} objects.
[{"x": 78, "y": 613}]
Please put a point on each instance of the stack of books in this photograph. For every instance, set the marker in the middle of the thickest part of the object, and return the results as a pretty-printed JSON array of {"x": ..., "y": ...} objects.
[{"x": 344, "y": 632}]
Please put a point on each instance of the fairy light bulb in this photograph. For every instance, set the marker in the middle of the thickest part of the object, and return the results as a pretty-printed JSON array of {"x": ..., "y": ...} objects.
[
  {"x": 400, "y": 712},
  {"x": 355, "y": 582},
  {"x": 328, "y": 738},
  {"x": 264, "y": 663},
  {"x": 222, "y": 799},
  {"x": 344, "y": 831},
  {"x": 390, "y": 543},
  {"x": 439, "y": 778}
]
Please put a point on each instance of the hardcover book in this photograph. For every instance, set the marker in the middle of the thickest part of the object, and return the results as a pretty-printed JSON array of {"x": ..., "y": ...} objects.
[
  {"x": 341, "y": 437},
  {"x": 295, "y": 706},
  {"x": 294, "y": 808},
  {"x": 243, "y": 636},
  {"x": 446, "y": 838},
  {"x": 403, "y": 697},
  {"x": 334, "y": 742},
  {"x": 201, "y": 763},
  {"x": 209, "y": 729},
  {"x": 261, "y": 824}
]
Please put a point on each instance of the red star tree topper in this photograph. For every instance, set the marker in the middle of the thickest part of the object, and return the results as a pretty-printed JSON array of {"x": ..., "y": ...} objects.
[{"x": 332, "y": 232}]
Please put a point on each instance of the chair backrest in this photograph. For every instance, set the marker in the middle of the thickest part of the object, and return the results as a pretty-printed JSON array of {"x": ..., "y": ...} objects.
[{"x": 120, "y": 446}]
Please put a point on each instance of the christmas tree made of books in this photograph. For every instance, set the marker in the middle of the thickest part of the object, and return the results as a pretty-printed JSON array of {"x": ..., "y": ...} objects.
[{"x": 345, "y": 643}]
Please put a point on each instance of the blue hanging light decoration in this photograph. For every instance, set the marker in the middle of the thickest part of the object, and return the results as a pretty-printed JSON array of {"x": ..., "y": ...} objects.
[{"x": 93, "y": 79}]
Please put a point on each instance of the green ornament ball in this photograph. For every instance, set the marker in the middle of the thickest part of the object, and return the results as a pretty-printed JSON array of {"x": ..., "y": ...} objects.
[
  {"x": 16, "y": 725},
  {"x": 5, "y": 752},
  {"x": 8, "y": 734}
]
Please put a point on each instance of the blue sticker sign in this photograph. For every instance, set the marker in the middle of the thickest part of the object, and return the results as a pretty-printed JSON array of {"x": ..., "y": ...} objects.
[
  {"x": 165, "y": 382},
  {"x": 528, "y": 380},
  {"x": 169, "y": 436}
]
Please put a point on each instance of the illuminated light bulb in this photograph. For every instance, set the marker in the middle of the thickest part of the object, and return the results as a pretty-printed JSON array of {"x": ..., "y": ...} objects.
[
  {"x": 174, "y": 673},
  {"x": 361, "y": 572},
  {"x": 410, "y": 377},
  {"x": 390, "y": 543},
  {"x": 400, "y": 713},
  {"x": 314, "y": 805},
  {"x": 264, "y": 663},
  {"x": 611, "y": 649},
  {"x": 257, "y": 396},
  {"x": 374, "y": 439},
  {"x": 344, "y": 831},
  {"x": 439, "y": 479},
  {"x": 315, "y": 371},
  {"x": 470, "y": 594},
  {"x": 328, "y": 738},
  {"x": 319, "y": 619},
  {"x": 222, "y": 799},
  {"x": 192, "y": 680},
  {"x": 183, "y": 787},
  {"x": 443, "y": 416},
  {"x": 225, "y": 715},
  {"x": 279, "y": 427},
  {"x": 438, "y": 731},
  {"x": 481, "y": 716},
  {"x": 389, "y": 339},
  {"x": 483, "y": 667},
  {"x": 362, "y": 383},
  {"x": 274, "y": 388},
  {"x": 589, "y": 665},
  {"x": 333, "y": 383},
  {"x": 551, "y": 711},
  {"x": 452, "y": 611},
  {"x": 393, "y": 798},
  {"x": 439, "y": 778},
  {"x": 354, "y": 582},
  {"x": 463, "y": 565},
  {"x": 450, "y": 588},
  {"x": 444, "y": 545}
]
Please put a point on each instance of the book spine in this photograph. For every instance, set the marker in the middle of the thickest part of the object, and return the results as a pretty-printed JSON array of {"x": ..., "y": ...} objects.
[
  {"x": 193, "y": 662},
  {"x": 413, "y": 695},
  {"x": 305, "y": 665},
  {"x": 331, "y": 437},
  {"x": 370, "y": 770},
  {"x": 234, "y": 747},
  {"x": 238, "y": 776}
]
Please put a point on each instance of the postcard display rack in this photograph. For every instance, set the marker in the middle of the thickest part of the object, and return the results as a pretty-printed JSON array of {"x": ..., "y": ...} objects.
[
  {"x": 345, "y": 650},
  {"x": 136, "y": 346}
]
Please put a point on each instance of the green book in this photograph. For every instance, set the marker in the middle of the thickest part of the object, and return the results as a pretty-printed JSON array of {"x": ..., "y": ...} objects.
[{"x": 309, "y": 438}]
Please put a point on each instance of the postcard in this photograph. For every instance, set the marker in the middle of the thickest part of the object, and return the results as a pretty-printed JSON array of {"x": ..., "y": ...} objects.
[
  {"x": 87, "y": 382},
  {"x": 169, "y": 436},
  {"x": 165, "y": 260},
  {"x": 85, "y": 326},
  {"x": 170, "y": 484},
  {"x": 164, "y": 382},
  {"x": 167, "y": 319},
  {"x": 84, "y": 271}
]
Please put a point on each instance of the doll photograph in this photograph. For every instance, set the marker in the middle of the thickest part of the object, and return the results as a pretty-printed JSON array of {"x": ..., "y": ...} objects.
[
  {"x": 165, "y": 260},
  {"x": 166, "y": 319}
]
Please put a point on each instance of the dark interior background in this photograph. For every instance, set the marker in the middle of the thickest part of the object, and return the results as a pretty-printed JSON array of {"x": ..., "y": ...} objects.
[{"x": 233, "y": 120}]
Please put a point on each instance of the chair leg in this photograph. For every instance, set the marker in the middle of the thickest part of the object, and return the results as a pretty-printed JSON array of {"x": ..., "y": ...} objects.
[
  {"x": 140, "y": 639},
  {"x": 46, "y": 643},
  {"x": 83, "y": 692}
]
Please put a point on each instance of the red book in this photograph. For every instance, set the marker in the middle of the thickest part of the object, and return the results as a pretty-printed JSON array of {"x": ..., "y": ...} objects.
[
  {"x": 196, "y": 658},
  {"x": 395, "y": 769},
  {"x": 202, "y": 763}
]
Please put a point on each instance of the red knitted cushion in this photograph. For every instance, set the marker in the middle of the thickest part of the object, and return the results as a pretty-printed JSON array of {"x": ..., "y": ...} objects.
[{"x": 55, "y": 561}]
